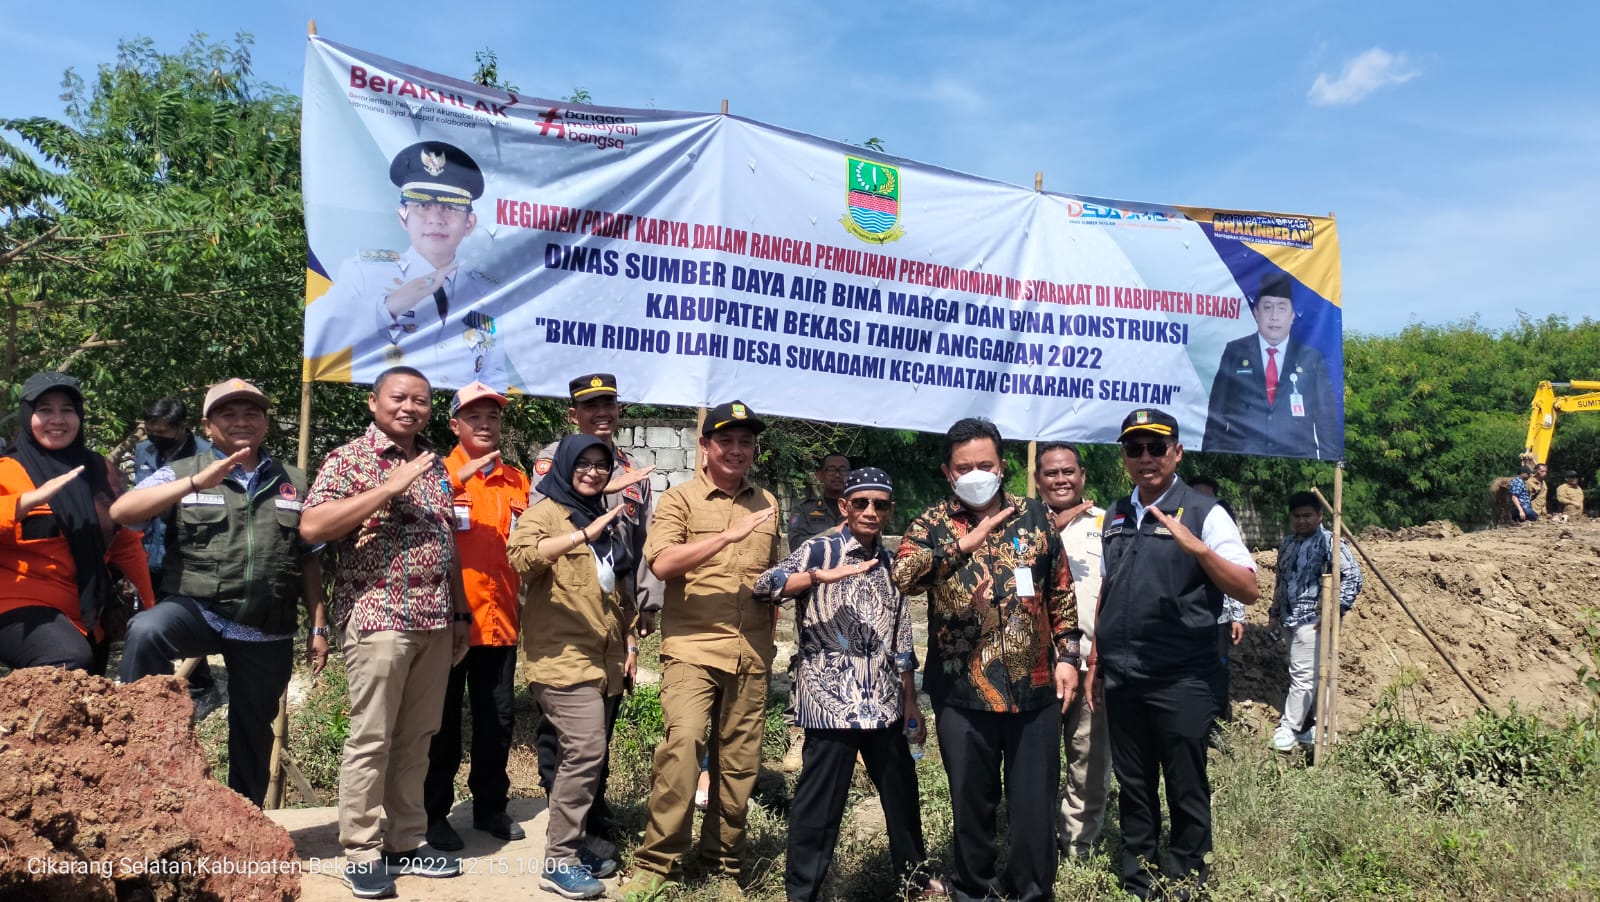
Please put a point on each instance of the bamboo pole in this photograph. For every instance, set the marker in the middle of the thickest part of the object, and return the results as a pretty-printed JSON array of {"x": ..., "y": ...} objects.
[
  {"x": 279, "y": 761},
  {"x": 1338, "y": 596},
  {"x": 700, "y": 420},
  {"x": 1373, "y": 568},
  {"x": 1325, "y": 697},
  {"x": 724, "y": 106},
  {"x": 1033, "y": 469}
]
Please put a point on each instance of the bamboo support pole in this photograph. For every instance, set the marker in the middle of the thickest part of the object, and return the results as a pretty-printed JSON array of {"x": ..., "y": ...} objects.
[{"x": 1426, "y": 634}]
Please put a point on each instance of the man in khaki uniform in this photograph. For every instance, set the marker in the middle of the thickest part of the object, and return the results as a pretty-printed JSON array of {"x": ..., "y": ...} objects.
[
  {"x": 712, "y": 537},
  {"x": 1569, "y": 496},
  {"x": 1539, "y": 489}
]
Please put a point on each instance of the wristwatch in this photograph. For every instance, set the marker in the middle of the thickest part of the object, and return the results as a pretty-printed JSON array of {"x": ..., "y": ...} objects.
[{"x": 322, "y": 631}]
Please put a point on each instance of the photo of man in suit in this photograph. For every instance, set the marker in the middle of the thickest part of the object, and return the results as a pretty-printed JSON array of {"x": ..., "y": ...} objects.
[{"x": 1271, "y": 394}]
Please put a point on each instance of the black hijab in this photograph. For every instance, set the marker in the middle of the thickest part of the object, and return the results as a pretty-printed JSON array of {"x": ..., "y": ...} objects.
[
  {"x": 583, "y": 509},
  {"x": 78, "y": 507}
]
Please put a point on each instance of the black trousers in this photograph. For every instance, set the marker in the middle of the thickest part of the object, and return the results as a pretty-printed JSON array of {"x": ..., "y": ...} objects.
[
  {"x": 977, "y": 747},
  {"x": 547, "y": 742},
  {"x": 487, "y": 677},
  {"x": 824, "y": 788},
  {"x": 258, "y": 673},
  {"x": 1158, "y": 731},
  {"x": 1219, "y": 682},
  {"x": 201, "y": 682},
  {"x": 39, "y": 636}
]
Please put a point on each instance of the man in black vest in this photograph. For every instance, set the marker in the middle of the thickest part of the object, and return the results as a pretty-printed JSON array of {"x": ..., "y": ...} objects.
[
  {"x": 1171, "y": 553},
  {"x": 235, "y": 571}
]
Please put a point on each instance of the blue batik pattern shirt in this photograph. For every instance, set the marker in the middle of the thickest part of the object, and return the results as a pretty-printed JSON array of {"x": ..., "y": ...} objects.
[{"x": 1300, "y": 566}]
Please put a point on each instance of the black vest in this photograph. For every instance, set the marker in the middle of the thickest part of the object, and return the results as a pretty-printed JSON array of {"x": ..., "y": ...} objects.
[
  {"x": 239, "y": 554},
  {"x": 1158, "y": 619}
]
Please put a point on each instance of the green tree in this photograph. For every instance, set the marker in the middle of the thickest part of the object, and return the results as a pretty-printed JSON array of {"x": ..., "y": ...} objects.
[{"x": 153, "y": 241}]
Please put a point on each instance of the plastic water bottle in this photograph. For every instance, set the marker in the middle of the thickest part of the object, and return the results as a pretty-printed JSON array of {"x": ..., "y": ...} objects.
[{"x": 911, "y": 730}]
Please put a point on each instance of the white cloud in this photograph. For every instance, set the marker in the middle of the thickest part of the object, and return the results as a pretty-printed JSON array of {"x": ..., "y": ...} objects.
[{"x": 1367, "y": 72}]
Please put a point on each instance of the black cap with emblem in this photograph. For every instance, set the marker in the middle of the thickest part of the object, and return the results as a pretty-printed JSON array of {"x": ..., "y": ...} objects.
[
  {"x": 436, "y": 172},
  {"x": 594, "y": 385},
  {"x": 1151, "y": 420},
  {"x": 732, "y": 415}
]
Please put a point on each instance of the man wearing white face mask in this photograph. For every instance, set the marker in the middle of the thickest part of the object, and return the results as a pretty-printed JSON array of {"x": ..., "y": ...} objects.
[{"x": 1002, "y": 664}]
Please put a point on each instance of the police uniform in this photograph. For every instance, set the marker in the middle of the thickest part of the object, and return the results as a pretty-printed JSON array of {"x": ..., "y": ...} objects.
[
  {"x": 454, "y": 337},
  {"x": 633, "y": 526},
  {"x": 813, "y": 517}
]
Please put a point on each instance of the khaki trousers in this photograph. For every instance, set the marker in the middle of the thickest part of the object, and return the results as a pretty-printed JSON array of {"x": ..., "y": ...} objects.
[
  {"x": 578, "y": 714},
  {"x": 1086, "y": 779},
  {"x": 397, "y": 684},
  {"x": 732, "y": 706}
]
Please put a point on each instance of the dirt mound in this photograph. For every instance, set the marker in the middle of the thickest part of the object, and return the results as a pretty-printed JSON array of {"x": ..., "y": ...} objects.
[
  {"x": 105, "y": 794},
  {"x": 1505, "y": 604}
]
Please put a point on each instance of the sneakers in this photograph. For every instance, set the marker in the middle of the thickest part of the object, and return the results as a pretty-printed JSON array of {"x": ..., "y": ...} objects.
[
  {"x": 572, "y": 881},
  {"x": 500, "y": 826},
  {"x": 1283, "y": 739},
  {"x": 600, "y": 867},
  {"x": 369, "y": 880},
  {"x": 444, "y": 837},
  {"x": 423, "y": 861}
]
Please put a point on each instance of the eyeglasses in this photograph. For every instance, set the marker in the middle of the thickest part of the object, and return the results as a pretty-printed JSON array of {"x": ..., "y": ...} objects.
[
  {"x": 881, "y": 505},
  {"x": 585, "y": 466},
  {"x": 1134, "y": 450}
]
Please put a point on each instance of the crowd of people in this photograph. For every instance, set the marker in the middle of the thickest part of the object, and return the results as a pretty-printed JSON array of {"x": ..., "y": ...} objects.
[{"x": 1066, "y": 641}]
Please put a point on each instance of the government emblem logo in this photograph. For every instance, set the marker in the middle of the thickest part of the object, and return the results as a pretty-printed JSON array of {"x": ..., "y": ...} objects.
[
  {"x": 872, "y": 197},
  {"x": 433, "y": 162}
]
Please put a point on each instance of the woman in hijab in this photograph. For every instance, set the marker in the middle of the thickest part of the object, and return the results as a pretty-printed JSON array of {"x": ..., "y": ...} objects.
[
  {"x": 57, "y": 536},
  {"x": 576, "y": 623}
]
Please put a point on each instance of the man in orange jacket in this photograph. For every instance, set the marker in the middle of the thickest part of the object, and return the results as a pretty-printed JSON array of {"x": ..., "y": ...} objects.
[{"x": 489, "y": 496}]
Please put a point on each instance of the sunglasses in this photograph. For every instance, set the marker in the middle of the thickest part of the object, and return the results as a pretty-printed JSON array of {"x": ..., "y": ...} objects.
[
  {"x": 1134, "y": 450},
  {"x": 880, "y": 505}
]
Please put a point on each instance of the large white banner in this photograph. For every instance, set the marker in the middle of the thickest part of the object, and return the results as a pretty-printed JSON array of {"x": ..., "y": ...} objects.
[{"x": 701, "y": 258}]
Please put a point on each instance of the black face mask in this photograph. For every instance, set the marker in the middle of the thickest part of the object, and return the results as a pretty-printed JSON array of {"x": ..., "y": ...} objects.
[{"x": 166, "y": 444}]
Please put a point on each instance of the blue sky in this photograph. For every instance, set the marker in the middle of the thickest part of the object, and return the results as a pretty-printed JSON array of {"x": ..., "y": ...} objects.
[{"x": 1457, "y": 143}]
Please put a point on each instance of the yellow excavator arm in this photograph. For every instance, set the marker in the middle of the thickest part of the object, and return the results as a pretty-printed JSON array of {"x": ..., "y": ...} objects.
[{"x": 1547, "y": 405}]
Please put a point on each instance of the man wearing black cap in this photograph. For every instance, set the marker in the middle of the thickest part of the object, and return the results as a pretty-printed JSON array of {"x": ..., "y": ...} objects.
[
  {"x": 235, "y": 572},
  {"x": 595, "y": 411},
  {"x": 1272, "y": 395},
  {"x": 855, "y": 689},
  {"x": 421, "y": 308},
  {"x": 712, "y": 537},
  {"x": 1171, "y": 554}
]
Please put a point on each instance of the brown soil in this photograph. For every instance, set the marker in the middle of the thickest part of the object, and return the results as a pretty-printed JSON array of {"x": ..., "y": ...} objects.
[
  {"x": 1505, "y": 604},
  {"x": 105, "y": 794}
]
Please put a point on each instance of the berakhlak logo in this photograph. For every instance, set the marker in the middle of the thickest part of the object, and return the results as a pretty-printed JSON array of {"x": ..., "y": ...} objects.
[{"x": 873, "y": 201}]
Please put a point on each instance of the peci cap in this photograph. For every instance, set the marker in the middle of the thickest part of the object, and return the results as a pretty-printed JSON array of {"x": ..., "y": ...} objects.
[
  {"x": 39, "y": 383},
  {"x": 1151, "y": 420},
  {"x": 233, "y": 390},
  {"x": 732, "y": 415},
  {"x": 867, "y": 478},
  {"x": 475, "y": 391},
  {"x": 436, "y": 172},
  {"x": 1572, "y": 474},
  {"x": 592, "y": 386}
]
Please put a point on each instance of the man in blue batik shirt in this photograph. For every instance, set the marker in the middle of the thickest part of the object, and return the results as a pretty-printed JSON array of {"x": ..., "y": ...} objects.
[{"x": 1302, "y": 558}]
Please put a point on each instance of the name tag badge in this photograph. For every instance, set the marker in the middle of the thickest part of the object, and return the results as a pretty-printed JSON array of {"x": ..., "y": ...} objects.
[
  {"x": 1024, "y": 583},
  {"x": 463, "y": 518},
  {"x": 286, "y": 505},
  {"x": 196, "y": 498},
  {"x": 1297, "y": 405}
]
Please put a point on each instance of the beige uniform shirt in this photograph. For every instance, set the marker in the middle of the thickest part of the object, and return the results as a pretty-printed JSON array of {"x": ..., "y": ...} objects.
[
  {"x": 1570, "y": 498},
  {"x": 710, "y": 616},
  {"x": 571, "y": 631}
]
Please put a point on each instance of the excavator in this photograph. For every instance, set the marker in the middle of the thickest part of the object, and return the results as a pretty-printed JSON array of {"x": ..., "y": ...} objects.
[{"x": 1546, "y": 405}]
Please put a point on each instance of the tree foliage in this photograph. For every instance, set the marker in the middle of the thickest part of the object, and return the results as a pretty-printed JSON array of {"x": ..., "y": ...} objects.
[{"x": 153, "y": 242}]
